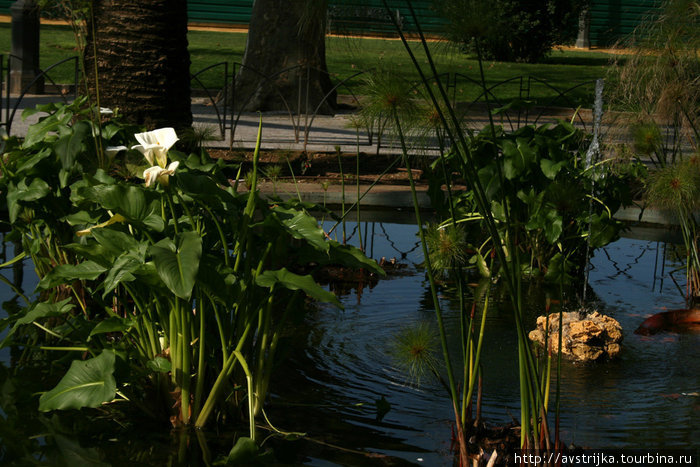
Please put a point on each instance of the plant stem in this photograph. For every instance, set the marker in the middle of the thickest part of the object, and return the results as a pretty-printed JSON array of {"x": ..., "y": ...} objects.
[{"x": 429, "y": 270}]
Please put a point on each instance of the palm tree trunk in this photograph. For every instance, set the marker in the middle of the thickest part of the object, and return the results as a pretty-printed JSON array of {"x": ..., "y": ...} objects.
[{"x": 143, "y": 65}]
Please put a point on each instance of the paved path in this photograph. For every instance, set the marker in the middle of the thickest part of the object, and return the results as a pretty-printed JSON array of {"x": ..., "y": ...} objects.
[{"x": 321, "y": 134}]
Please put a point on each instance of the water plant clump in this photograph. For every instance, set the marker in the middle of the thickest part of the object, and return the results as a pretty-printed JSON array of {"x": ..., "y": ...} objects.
[
  {"x": 166, "y": 289},
  {"x": 531, "y": 196}
]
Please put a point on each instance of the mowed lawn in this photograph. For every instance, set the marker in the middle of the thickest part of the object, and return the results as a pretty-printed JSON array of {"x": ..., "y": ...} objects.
[{"x": 346, "y": 56}]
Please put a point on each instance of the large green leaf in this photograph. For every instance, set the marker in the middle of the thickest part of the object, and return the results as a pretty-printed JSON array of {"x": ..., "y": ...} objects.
[
  {"x": 177, "y": 264},
  {"x": 518, "y": 157},
  {"x": 37, "y": 311},
  {"x": 349, "y": 256},
  {"x": 116, "y": 241},
  {"x": 53, "y": 123},
  {"x": 202, "y": 187},
  {"x": 133, "y": 202},
  {"x": 553, "y": 227},
  {"x": 112, "y": 324},
  {"x": 36, "y": 190},
  {"x": 70, "y": 146},
  {"x": 302, "y": 226},
  {"x": 550, "y": 169},
  {"x": 87, "y": 270},
  {"x": 122, "y": 271},
  {"x": 74, "y": 454},
  {"x": 293, "y": 281},
  {"x": 159, "y": 365},
  {"x": 30, "y": 161},
  {"x": 86, "y": 384}
]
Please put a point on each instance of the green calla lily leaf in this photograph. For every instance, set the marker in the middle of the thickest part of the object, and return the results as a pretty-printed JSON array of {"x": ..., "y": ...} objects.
[
  {"x": 352, "y": 257},
  {"x": 32, "y": 160},
  {"x": 37, "y": 311},
  {"x": 293, "y": 281},
  {"x": 36, "y": 190},
  {"x": 159, "y": 365},
  {"x": 122, "y": 271},
  {"x": 87, "y": 270},
  {"x": 70, "y": 146},
  {"x": 74, "y": 454},
  {"x": 135, "y": 203},
  {"x": 177, "y": 264},
  {"x": 301, "y": 225},
  {"x": 86, "y": 384},
  {"x": 54, "y": 123},
  {"x": 112, "y": 324}
]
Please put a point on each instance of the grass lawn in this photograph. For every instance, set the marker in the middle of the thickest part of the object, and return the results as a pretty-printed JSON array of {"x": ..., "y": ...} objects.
[{"x": 348, "y": 55}]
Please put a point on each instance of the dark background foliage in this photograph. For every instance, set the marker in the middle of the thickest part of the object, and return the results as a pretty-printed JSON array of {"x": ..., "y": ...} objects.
[{"x": 512, "y": 30}]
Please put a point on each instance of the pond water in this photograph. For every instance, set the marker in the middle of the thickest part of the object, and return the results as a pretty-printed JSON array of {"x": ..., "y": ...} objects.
[{"x": 338, "y": 364}]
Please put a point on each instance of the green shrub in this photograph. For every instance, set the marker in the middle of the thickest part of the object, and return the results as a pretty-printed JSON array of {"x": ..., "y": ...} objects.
[{"x": 510, "y": 30}]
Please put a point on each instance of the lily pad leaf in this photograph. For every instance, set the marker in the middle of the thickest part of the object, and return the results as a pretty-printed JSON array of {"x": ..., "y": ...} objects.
[
  {"x": 86, "y": 384},
  {"x": 293, "y": 281}
]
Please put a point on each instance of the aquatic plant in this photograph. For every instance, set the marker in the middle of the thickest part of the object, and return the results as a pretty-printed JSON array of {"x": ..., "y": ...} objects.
[
  {"x": 676, "y": 188},
  {"x": 557, "y": 207},
  {"x": 657, "y": 85},
  {"x": 655, "y": 82},
  {"x": 489, "y": 163},
  {"x": 171, "y": 296}
]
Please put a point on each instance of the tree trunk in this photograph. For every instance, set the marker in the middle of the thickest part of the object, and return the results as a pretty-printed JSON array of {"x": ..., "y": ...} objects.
[
  {"x": 143, "y": 65},
  {"x": 284, "y": 64}
]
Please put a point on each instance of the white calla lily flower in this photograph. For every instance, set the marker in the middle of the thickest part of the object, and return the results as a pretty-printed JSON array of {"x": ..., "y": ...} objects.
[
  {"x": 112, "y": 151},
  {"x": 154, "y": 145},
  {"x": 159, "y": 174}
]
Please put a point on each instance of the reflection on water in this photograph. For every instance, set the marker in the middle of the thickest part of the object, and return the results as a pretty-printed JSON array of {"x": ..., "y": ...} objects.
[{"x": 338, "y": 364}]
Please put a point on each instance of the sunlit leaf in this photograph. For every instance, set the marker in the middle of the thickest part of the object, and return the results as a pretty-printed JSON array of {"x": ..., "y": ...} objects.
[
  {"x": 301, "y": 225},
  {"x": 135, "y": 203},
  {"x": 50, "y": 124},
  {"x": 87, "y": 270},
  {"x": 293, "y": 281}
]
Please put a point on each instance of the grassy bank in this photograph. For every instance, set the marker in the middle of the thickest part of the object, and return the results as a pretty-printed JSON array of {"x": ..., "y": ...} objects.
[{"x": 348, "y": 55}]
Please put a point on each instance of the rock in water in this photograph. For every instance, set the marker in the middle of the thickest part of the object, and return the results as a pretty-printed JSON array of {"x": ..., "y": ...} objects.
[{"x": 586, "y": 337}]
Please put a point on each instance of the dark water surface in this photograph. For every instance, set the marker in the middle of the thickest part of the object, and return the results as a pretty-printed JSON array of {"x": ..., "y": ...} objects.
[{"x": 338, "y": 364}]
